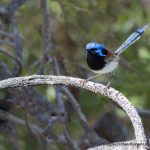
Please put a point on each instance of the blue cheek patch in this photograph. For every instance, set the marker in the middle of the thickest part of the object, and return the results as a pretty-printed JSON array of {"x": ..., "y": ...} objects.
[{"x": 100, "y": 53}]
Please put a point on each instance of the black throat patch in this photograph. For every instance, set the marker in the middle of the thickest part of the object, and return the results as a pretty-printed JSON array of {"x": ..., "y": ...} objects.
[{"x": 95, "y": 62}]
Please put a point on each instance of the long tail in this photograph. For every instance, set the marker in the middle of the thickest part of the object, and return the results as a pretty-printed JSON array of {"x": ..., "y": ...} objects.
[{"x": 131, "y": 39}]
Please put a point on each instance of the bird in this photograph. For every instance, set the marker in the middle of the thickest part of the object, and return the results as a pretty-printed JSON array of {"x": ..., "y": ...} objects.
[{"x": 102, "y": 61}]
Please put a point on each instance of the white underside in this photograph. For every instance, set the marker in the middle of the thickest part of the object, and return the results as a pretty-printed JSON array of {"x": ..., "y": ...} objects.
[{"x": 110, "y": 67}]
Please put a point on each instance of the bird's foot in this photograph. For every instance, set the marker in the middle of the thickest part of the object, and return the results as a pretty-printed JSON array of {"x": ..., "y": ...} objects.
[
  {"x": 107, "y": 86},
  {"x": 89, "y": 79}
]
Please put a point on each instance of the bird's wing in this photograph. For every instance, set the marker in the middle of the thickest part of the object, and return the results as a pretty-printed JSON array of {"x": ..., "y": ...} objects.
[{"x": 131, "y": 39}]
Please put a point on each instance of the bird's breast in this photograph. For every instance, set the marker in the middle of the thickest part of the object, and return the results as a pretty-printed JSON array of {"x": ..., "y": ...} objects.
[{"x": 109, "y": 67}]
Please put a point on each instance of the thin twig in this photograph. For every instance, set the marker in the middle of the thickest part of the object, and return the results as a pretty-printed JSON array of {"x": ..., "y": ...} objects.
[
  {"x": 6, "y": 42},
  {"x": 18, "y": 61},
  {"x": 18, "y": 46},
  {"x": 143, "y": 112},
  {"x": 72, "y": 143},
  {"x": 14, "y": 5}
]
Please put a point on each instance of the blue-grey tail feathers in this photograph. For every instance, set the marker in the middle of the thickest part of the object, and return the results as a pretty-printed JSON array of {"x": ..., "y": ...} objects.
[{"x": 131, "y": 39}]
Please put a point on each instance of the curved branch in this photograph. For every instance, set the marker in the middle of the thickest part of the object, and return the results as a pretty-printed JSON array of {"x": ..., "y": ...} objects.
[{"x": 113, "y": 94}]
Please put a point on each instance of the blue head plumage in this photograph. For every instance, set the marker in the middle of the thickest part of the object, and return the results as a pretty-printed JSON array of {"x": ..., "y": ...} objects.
[{"x": 95, "y": 47}]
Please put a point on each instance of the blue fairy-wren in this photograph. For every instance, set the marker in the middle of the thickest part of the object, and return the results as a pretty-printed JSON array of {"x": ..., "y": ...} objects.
[{"x": 102, "y": 61}]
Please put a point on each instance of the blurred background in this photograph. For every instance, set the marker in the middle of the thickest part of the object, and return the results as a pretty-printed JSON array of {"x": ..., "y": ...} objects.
[{"x": 49, "y": 37}]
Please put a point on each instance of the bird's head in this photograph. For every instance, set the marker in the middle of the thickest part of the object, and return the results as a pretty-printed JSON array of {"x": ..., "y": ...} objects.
[{"x": 97, "y": 48}]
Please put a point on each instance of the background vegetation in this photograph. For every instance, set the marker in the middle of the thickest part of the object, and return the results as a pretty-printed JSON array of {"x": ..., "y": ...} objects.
[{"x": 49, "y": 37}]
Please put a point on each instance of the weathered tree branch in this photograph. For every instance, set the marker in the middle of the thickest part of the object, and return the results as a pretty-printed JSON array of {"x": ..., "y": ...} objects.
[{"x": 111, "y": 93}]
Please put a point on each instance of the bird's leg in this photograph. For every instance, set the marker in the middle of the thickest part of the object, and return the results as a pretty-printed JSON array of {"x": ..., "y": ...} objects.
[
  {"x": 92, "y": 77},
  {"x": 111, "y": 78}
]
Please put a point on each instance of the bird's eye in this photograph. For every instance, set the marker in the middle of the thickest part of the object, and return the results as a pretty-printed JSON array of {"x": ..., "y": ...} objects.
[{"x": 105, "y": 52}]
